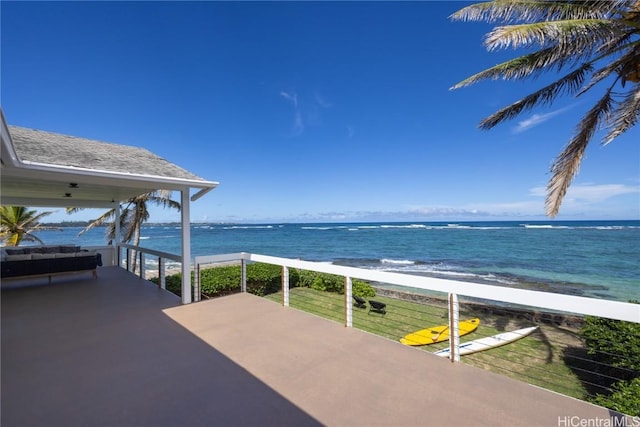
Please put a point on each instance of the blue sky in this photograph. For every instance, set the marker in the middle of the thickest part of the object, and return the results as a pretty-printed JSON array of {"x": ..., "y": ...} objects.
[{"x": 303, "y": 111}]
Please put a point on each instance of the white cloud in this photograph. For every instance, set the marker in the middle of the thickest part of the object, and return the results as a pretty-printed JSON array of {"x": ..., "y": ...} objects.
[
  {"x": 321, "y": 101},
  {"x": 298, "y": 124},
  {"x": 536, "y": 120},
  {"x": 292, "y": 97}
]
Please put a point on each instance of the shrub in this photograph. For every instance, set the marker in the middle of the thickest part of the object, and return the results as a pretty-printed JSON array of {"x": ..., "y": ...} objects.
[
  {"x": 362, "y": 289},
  {"x": 615, "y": 345},
  {"x": 173, "y": 283},
  {"x": 332, "y": 283},
  {"x": 625, "y": 398},
  {"x": 613, "y": 342},
  {"x": 264, "y": 279},
  {"x": 219, "y": 281}
]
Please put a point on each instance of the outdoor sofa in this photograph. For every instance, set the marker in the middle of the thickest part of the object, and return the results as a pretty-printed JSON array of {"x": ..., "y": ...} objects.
[{"x": 33, "y": 261}]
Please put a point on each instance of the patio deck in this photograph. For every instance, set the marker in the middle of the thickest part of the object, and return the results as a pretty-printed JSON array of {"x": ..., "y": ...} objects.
[{"x": 119, "y": 351}]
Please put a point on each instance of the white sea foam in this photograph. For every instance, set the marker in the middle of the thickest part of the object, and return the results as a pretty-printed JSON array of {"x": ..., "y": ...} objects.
[
  {"x": 397, "y": 262},
  {"x": 440, "y": 269},
  {"x": 248, "y": 227},
  {"x": 404, "y": 226},
  {"x": 545, "y": 226}
]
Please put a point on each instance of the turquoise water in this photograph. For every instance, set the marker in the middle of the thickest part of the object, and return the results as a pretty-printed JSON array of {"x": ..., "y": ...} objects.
[{"x": 591, "y": 258}]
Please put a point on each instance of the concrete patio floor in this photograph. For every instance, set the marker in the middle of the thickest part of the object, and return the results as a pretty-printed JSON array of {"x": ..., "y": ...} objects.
[{"x": 118, "y": 351}]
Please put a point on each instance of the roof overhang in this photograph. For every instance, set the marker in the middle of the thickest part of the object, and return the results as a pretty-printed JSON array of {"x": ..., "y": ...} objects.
[{"x": 25, "y": 183}]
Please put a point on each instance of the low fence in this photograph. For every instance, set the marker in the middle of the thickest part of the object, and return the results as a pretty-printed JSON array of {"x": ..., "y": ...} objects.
[{"x": 555, "y": 357}]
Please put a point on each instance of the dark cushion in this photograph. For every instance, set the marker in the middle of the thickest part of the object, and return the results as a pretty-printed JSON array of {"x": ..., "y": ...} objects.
[
  {"x": 19, "y": 257},
  {"x": 69, "y": 249},
  {"x": 15, "y": 251}
]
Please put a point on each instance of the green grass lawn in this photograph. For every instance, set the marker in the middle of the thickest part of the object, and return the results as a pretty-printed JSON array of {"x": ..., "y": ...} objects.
[{"x": 536, "y": 359}]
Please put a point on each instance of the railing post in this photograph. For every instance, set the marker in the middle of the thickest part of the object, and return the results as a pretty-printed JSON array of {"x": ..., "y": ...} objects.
[
  {"x": 142, "y": 275},
  {"x": 128, "y": 258},
  {"x": 162, "y": 279},
  {"x": 454, "y": 328},
  {"x": 196, "y": 285},
  {"x": 243, "y": 275},
  {"x": 285, "y": 286},
  {"x": 348, "y": 306}
]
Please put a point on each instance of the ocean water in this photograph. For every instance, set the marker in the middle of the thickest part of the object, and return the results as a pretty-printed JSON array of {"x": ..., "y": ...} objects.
[{"x": 599, "y": 259}]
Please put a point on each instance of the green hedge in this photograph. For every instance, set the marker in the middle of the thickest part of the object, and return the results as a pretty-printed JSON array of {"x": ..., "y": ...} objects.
[
  {"x": 615, "y": 345},
  {"x": 333, "y": 283},
  {"x": 264, "y": 279},
  {"x": 624, "y": 398}
]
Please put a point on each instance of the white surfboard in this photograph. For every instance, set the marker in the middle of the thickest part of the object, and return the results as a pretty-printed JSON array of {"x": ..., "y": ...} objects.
[{"x": 489, "y": 342}]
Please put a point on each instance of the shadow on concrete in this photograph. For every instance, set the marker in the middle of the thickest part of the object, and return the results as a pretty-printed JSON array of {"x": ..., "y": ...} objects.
[{"x": 78, "y": 353}]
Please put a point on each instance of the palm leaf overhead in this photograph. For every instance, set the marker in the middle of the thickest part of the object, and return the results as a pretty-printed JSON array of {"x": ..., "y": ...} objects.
[
  {"x": 18, "y": 223},
  {"x": 590, "y": 43}
]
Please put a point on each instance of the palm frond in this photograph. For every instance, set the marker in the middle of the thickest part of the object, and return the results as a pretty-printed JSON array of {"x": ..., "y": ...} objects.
[
  {"x": 165, "y": 203},
  {"x": 619, "y": 42},
  {"x": 576, "y": 38},
  {"x": 536, "y": 10},
  {"x": 570, "y": 83},
  {"x": 621, "y": 66},
  {"x": 625, "y": 116},
  {"x": 30, "y": 237},
  {"x": 32, "y": 221},
  {"x": 567, "y": 164},
  {"x": 99, "y": 221},
  {"x": 518, "y": 68},
  {"x": 18, "y": 223}
]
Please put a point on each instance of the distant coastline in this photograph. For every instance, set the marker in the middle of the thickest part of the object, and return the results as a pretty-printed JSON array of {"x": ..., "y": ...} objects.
[{"x": 537, "y": 222}]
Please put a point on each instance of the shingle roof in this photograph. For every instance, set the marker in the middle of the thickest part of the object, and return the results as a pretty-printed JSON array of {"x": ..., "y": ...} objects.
[{"x": 63, "y": 150}]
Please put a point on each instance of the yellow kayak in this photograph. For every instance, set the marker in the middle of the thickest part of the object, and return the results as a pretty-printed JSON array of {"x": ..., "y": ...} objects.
[{"x": 438, "y": 333}]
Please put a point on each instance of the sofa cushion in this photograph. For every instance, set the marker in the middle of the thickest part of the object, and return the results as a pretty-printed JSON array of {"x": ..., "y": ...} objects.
[
  {"x": 69, "y": 249},
  {"x": 45, "y": 249},
  {"x": 42, "y": 256},
  {"x": 85, "y": 253},
  {"x": 15, "y": 251},
  {"x": 21, "y": 257},
  {"x": 65, "y": 255}
]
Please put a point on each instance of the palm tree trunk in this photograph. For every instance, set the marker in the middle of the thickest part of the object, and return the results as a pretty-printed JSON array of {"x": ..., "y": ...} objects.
[{"x": 136, "y": 242}]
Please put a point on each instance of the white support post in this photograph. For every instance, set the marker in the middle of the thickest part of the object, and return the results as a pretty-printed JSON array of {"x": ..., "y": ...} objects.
[
  {"x": 162, "y": 277},
  {"x": 454, "y": 328},
  {"x": 186, "y": 246},
  {"x": 243, "y": 275},
  {"x": 285, "y": 286},
  {"x": 348, "y": 305}
]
